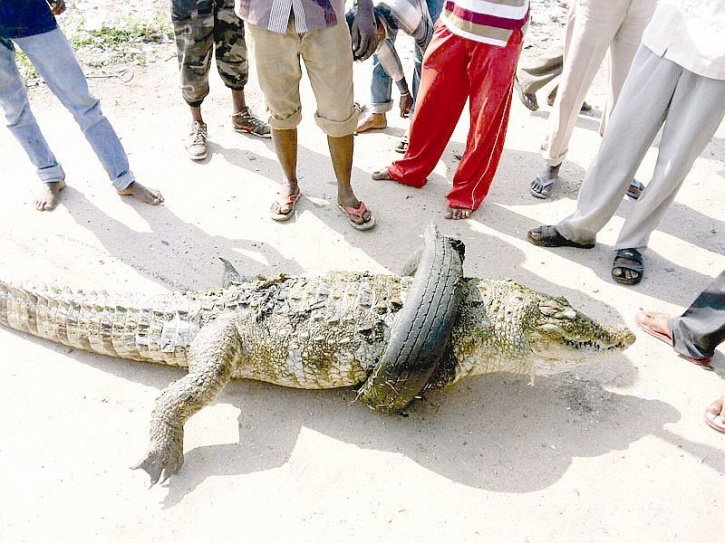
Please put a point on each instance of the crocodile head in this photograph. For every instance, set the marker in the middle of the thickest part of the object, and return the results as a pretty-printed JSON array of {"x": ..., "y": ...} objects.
[{"x": 561, "y": 336}]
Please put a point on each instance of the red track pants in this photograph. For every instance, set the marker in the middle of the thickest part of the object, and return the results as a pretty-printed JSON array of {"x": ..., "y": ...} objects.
[{"x": 456, "y": 69}]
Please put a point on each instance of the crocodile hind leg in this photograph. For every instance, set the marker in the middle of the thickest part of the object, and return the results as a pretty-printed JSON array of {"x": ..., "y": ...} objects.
[{"x": 214, "y": 354}]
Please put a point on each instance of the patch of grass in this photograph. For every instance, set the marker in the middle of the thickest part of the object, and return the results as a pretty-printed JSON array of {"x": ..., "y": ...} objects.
[{"x": 123, "y": 41}]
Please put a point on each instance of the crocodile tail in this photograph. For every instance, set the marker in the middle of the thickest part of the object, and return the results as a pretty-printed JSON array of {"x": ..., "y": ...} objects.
[{"x": 89, "y": 321}]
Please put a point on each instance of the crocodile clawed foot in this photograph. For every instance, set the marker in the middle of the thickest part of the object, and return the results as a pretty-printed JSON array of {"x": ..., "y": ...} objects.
[{"x": 161, "y": 464}]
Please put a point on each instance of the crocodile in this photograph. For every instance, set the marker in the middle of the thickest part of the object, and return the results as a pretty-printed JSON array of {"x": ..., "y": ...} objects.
[{"x": 314, "y": 332}]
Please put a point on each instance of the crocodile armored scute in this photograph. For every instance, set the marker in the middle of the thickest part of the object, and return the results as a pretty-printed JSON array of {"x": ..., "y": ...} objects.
[
  {"x": 309, "y": 332},
  {"x": 306, "y": 332}
]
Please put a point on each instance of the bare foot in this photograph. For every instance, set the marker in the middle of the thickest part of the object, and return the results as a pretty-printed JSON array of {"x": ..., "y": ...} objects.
[
  {"x": 48, "y": 198},
  {"x": 658, "y": 322},
  {"x": 383, "y": 175},
  {"x": 138, "y": 191},
  {"x": 374, "y": 121},
  {"x": 457, "y": 214}
]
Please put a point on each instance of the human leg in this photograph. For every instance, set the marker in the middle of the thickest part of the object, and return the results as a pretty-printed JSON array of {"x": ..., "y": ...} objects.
[
  {"x": 193, "y": 23},
  {"x": 381, "y": 97},
  {"x": 23, "y": 126},
  {"x": 491, "y": 73},
  {"x": 65, "y": 78},
  {"x": 443, "y": 92},
  {"x": 701, "y": 328},
  {"x": 696, "y": 109},
  {"x": 623, "y": 49},
  {"x": 328, "y": 59},
  {"x": 698, "y": 331},
  {"x": 230, "y": 50},
  {"x": 535, "y": 72},
  {"x": 632, "y": 129},
  {"x": 278, "y": 69},
  {"x": 592, "y": 29},
  {"x": 285, "y": 145}
]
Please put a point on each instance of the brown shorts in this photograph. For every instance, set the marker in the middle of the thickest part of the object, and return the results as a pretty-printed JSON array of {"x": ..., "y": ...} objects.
[{"x": 327, "y": 54}]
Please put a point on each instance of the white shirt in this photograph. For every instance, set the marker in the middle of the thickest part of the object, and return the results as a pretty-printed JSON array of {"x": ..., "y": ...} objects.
[{"x": 690, "y": 33}]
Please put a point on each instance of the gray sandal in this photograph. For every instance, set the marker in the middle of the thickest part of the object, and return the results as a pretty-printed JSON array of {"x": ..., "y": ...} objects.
[{"x": 546, "y": 186}]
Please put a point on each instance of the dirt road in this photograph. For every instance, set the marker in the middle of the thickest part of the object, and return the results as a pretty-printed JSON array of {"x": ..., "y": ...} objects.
[{"x": 616, "y": 451}]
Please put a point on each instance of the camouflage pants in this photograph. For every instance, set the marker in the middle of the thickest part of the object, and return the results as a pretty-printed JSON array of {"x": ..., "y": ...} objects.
[{"x": 203, "y": 26}]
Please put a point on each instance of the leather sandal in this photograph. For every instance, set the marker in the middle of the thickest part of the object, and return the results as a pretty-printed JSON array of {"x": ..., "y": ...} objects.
[{"x": 549, "y": 236}]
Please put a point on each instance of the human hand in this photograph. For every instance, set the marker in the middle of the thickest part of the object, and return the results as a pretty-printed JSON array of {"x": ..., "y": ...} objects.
[
  {"x": 56, "y": 7},
  {"x": 406, "y": 102},
  {"x": 364, "y": 31}
]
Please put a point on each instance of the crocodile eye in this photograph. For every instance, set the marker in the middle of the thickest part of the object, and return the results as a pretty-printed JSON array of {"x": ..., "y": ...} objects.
[{"x": 568, "y": 314}]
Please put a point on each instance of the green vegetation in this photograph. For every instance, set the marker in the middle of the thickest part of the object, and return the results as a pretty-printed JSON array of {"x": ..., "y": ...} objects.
[{"x": 124, "y": 41}]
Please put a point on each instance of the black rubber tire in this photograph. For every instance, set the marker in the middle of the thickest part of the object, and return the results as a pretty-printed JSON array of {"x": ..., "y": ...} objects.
[{"x": 422, "y": 330}]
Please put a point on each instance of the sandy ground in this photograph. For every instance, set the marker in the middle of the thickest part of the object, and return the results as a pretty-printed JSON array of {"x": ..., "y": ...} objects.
[{"x": 615, "y": 451}]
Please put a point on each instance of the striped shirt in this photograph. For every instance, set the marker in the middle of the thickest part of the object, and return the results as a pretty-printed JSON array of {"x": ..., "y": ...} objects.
[
  {"x": 486, "y": 21},
  {"x": 274, "y": 15}
]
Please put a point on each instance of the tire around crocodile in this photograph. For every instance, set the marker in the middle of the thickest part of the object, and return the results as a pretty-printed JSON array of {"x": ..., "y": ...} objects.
[{"x": 422, "y": 331}]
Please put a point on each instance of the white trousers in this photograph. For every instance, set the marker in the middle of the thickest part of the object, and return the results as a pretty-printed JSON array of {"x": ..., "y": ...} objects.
[
  {"x": 594, "y": 27},
  {"x": 657, "y": 92}
]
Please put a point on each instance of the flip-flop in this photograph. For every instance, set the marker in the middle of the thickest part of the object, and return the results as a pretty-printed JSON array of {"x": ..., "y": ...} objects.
[
  {"x": 715, "y": 421},
  {"x": 291, "y": 201},
  {"x": 549, "y": 236},
  {"x": 666, "y": 338},
  {"x": 546, "y": 187},
  {"x": 358, "y": 213}
]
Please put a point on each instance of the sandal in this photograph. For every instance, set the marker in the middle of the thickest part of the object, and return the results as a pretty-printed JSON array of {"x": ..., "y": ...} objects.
[
  {"x": 527, "y": 98},
  {"x": 716, "y": 421},
  {"x": 545, "y": 187},
  {"x": 359, "y": 212},
  {"x": 549, "y": 236},
  {"x": 635, "y": 190},
  {"x": 641, "y": 317},
  {"x": 628, "y": 260},
  {"x": 289, "y": 202},
  {"x": 402, "y": 145}
]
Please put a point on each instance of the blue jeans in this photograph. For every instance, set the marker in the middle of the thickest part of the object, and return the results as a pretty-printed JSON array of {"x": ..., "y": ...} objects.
[
  {"x": 53, "y": 57},
  {"x": 381, "y": 86}
]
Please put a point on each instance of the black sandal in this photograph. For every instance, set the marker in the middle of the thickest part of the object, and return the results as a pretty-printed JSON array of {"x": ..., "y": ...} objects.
[
  {"x": 549, "y": 236},
  {"x": 628, "y": 260}
]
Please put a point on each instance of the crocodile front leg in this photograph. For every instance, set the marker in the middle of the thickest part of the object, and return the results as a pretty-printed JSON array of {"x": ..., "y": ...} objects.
[{"x": 214, "y": 354}]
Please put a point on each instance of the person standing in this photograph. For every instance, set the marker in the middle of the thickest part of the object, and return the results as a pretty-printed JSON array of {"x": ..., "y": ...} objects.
[
  {"x": 416, "y": 18},
  {"x": 472, "y": 57},
  {"x": 203, "y": 27},
  {"x": 694, "y": 335},
  {"x": 31, "y": 25},
  {"x": 593, "y": 29},
  {"x": 284, "y": 33},
  {"x": 677, "y": 84}
]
